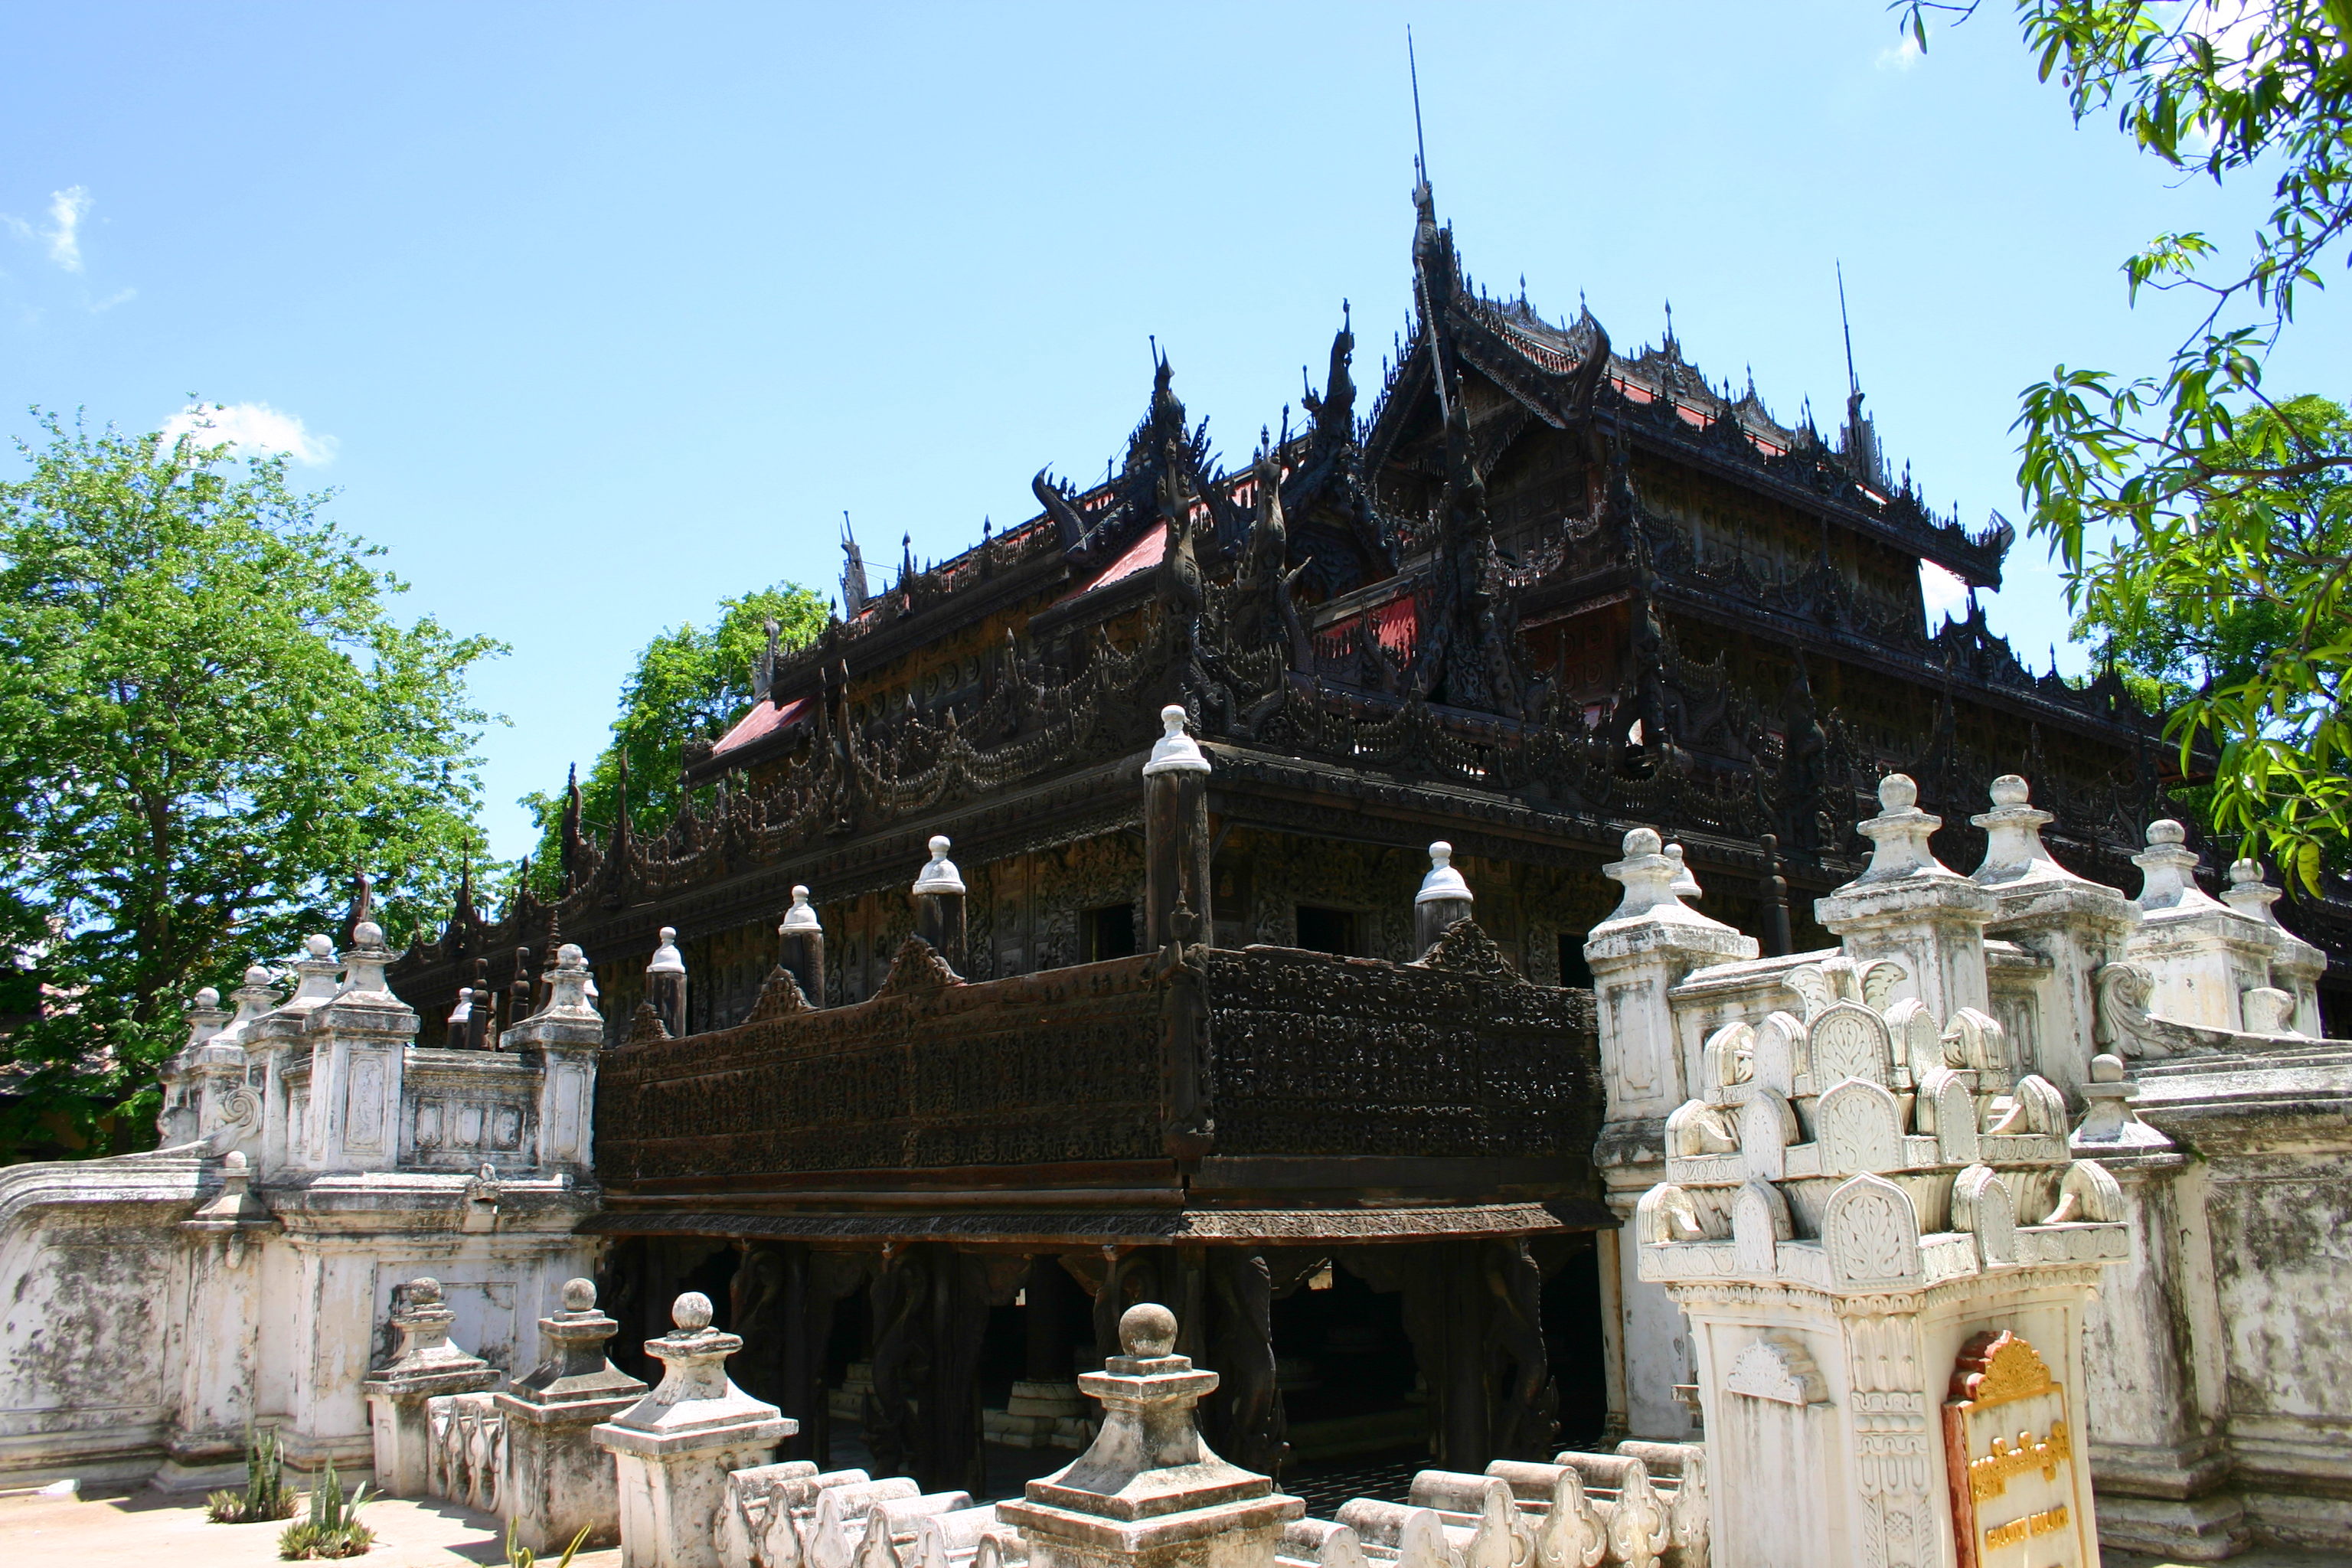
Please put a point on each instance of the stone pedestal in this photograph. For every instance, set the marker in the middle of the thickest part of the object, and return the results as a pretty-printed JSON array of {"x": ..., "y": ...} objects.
[
  {"x": 2077, "y": 925},
  {"x": 2200, "y": 955},
  {"x": 557, "y": 1480},
  {"x": 1149, "y": 1493},
  {"x": 1038, "y": 1416},
  {"x": 427, "y": 1366},
  {"x": 674, "y": 1447},
  {"x": 567, "y": 1034},
  {"x": 1638, "y": 955},
  {"x": 1910, "y": 907}
]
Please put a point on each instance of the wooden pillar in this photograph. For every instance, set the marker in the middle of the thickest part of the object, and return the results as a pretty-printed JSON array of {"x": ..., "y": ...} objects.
[
  {"x": 939, "y": 896},
  {"x": 1175, "y": 833},
  {"x": 802, "y": 953}
]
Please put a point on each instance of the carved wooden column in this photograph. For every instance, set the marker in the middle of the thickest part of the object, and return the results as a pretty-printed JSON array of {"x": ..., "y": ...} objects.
[
  {"x": 1247, "y": 1423},
  {"x": 666, "y": 982},
  {"x": 1445, "y": 898},
  {"x": 1175, "y": 832},
  {"x": 939, "y": 903},
  {"x": 804, "y": 947},
  {"x": 930, "y": 1313}
]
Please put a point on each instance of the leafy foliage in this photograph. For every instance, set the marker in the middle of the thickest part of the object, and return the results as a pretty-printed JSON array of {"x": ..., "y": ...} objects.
[
  {"x": 333, "y": 1528},
  {"x": 208, "y": 722},
  {"x": 265, "y": 1494},
  {"x": 688, "y": 685},
  {"x": 2208, "y": 484}
]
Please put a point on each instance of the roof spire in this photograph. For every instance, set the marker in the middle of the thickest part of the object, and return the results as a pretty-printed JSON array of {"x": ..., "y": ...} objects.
[
  {"x": 853, "y": 569},
  {"x": 1419, "y": 147},
  {"x": 1424, "y": 236},
  {"x": 1853, "y": 382}
]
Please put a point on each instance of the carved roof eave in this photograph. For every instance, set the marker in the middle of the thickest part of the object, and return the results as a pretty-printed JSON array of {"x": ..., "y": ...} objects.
[
  {"x": 1410, "y": 385},
  {"x": 1401, "y": 813},
  {"x": 1094, "y": 607},
  {"x": 892, "y": 641},
  {"x": 1966, "y": 562},
  {"x": 1917, "y": 667},
  {"x": 1048, "y": 814}
]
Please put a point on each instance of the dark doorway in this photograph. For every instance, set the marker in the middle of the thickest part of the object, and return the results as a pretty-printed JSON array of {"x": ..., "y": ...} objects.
[
  {"x": 1326, "y": 930},
  {"x": 1350, "y": 1383},
  {"x": 1109, "y": 933},
  {"x": 1573, "y": 1343},
  {"x": 1573, "y": 971}
]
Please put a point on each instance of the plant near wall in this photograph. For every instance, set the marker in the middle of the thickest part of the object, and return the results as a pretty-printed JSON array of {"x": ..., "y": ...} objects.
[
  {"x": 333, "y": 1528},
  {"x": 209, "y": 719},
  {"x": 266, "y": 1496},
  {"x": 521, "y": 1556},
  {"x": 2193, "y": 482}
]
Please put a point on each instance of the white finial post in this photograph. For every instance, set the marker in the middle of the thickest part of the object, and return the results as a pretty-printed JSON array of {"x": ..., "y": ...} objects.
[
  {"x": 674, "y": 1447},
  {"x": 1685, "y": 881},
  {"x": 1908, "y": 907},
  {"x": 802, "y": 940},
  {"x": 666, "y": 982},
  {"x": 568, "y": 1035},
  {"x": 939, "y": 895},
  {"x": 1638, "y": 955},
  {"x": 1445, "y": 898},
  {"x": 1176, "y": 847}
]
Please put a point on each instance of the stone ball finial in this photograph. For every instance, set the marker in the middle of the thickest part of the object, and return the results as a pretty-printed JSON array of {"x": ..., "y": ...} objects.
[
  {"x": 2011, "y": 789},
  {"x": 318, "y": 945},
  {"x": 666, "y": 959},
  {"x": 1897, "y": 792},
  {"x": 1171, "y": 720},
  {"x": 1147, "y": 1329},
  {"x": 207, "y": 998},
  {"x": 2105, "y": 1069},
  {"x": 367, "y": 933},
  {"x": 234, "y": 1163},
  {"x": 669, "y": 935},
  {"x": 1441, "y": 854},
  {"x": 569, "y": 956},
  {"x": 2164, "y": 830},
  {"x": 801, "y": 916},
  {"x": 1642, "y": 841},
  {"x": 423, "y": 1291},
  {"x": 691, "y": 1312},
  {"x": 257, "y": 978},
  {"x": 939, "y": 845},
  {"x": 579, "y": 1295},
  {"x": 2241, "y": 872}
]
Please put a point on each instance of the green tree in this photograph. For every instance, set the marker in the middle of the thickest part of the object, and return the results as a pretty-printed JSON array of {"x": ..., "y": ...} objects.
[
  {"x": 2192, "y": 480},
  {"x": 688, "y": 685},
  {"x": 208, "y": 722}
]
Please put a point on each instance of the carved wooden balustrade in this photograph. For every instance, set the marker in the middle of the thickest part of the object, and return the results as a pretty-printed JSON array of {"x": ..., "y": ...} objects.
[{"x": 1109, "y": 1077}]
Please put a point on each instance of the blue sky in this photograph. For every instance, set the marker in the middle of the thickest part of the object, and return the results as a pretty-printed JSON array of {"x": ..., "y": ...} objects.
[{"x": 595, "y": 314}]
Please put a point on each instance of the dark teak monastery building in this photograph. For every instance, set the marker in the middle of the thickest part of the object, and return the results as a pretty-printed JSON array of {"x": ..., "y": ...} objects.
[{"x": 1179, "y": 1037}]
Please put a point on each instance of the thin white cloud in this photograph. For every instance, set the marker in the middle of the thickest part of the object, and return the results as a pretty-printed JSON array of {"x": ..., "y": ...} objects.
[
  {"x": 1899, "y": 57},
  {"x": 64, "y": 232},
  {"x": 119, "y": 297},
  {"x": 252, "y": 428},
  {"x": 1943, "y": 592}
]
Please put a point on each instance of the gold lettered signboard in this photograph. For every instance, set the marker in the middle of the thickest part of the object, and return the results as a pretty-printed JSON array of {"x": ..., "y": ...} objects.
[{"x": 2017, "y": 1460}]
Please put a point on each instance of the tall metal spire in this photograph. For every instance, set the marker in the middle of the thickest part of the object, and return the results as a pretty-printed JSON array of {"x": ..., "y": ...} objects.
[
  {"x": 1419, "y": 147},
  {"x": 1424, "y": 234},
  {"x": 1853, "y": 382}
]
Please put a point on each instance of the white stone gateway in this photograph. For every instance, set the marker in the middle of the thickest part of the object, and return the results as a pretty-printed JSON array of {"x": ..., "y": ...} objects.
[{"x": 1882, "y": 1245}]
